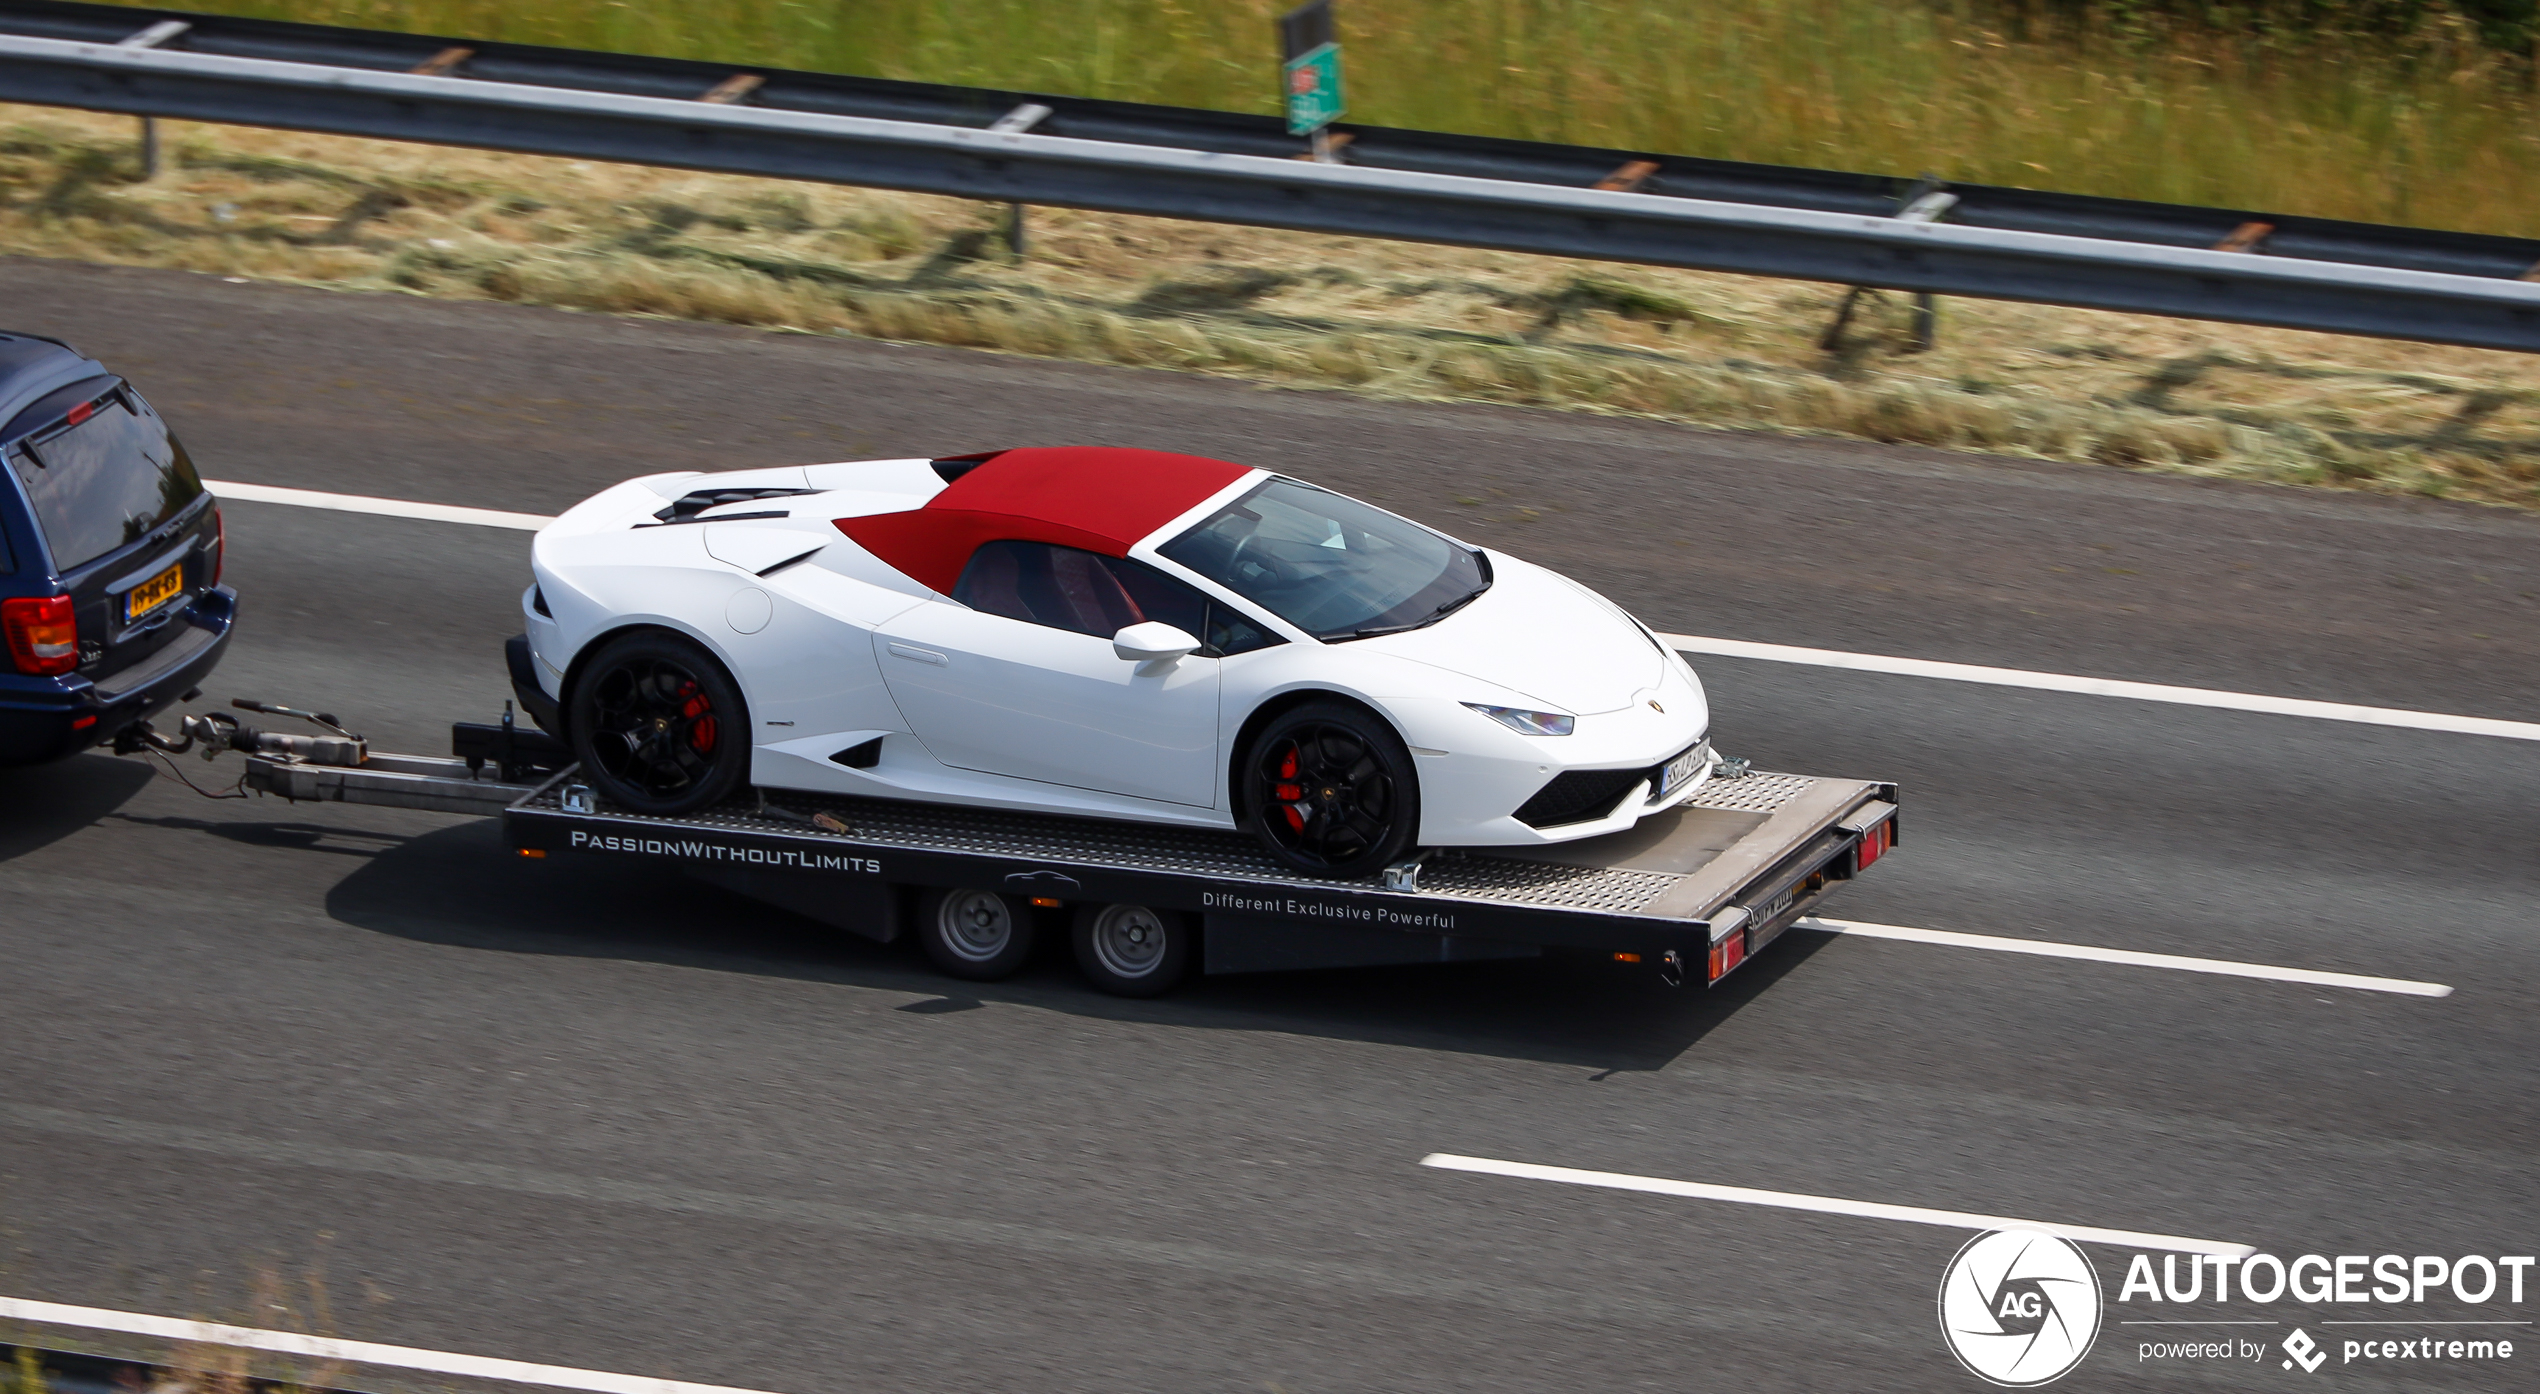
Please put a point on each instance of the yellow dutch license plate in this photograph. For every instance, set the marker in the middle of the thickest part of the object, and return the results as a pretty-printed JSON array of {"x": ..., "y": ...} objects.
[{"x": 155, "y": 592}]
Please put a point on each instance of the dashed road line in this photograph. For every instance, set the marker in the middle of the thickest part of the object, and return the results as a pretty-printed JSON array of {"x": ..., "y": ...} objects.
[
  {"x": 437, "y": 1362},
  {"x": 386, "y": 508},
  {"x": 2110, "y": 687},
  {"x": 2135, "y": 958},
  {"x": 1828, "y": 1205}
]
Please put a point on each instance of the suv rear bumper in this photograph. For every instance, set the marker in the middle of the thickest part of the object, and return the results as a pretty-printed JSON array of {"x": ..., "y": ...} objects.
[{"x": 47, "y": 718}]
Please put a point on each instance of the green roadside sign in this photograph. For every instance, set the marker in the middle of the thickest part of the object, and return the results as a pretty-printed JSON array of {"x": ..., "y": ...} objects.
[{"x": 1313, "y": 85}]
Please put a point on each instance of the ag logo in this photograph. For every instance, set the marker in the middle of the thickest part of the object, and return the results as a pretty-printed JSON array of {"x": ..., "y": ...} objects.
[{"x": 2019, "y": 1307}]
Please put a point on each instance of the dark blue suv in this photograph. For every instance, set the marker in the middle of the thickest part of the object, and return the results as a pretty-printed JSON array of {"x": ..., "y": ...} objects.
[{"x": 110, "y": 557}]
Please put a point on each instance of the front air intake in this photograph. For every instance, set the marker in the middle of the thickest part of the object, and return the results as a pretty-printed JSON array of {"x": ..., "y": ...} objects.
[{"x": 1579, "y": 796}]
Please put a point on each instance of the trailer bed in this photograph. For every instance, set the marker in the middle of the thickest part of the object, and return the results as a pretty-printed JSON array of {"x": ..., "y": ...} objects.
[{"x": 1694, "y": 891}]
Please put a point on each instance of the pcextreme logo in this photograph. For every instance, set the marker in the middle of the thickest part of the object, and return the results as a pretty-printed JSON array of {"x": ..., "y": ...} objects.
[{"x": 2019, "y": 1307}]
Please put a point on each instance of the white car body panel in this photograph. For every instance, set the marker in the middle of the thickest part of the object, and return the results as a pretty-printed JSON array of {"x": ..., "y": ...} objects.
[
  {"x": 1575, "y": 655},
  {"x": 1001, "y": 696},
  {"x": 1026, "y": 717}
]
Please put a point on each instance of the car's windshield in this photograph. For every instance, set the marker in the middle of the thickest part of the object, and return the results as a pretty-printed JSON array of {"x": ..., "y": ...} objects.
[
  {"x": 105, "y": 481},
  {"x": 1330, "y": 565}
]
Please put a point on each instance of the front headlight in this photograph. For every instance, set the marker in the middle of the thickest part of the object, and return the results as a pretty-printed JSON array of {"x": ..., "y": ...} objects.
[{"x": 1526, "y": 723}]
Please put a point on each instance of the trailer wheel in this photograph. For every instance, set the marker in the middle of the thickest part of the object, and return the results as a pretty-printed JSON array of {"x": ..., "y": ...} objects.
[
  {"x": 1131, "y": 950},
  {"x": 974, "y": 934}
]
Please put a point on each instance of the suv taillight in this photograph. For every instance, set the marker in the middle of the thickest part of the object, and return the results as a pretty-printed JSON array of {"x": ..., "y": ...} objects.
[
  {"x": 43, "y": 636},
  {"x": 220, "y": 544}
]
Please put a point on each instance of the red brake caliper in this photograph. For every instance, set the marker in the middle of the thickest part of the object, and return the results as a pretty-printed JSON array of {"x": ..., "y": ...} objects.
[
  {"x": 1290, "y": 792},
  {"x": 701, "y": 713}
]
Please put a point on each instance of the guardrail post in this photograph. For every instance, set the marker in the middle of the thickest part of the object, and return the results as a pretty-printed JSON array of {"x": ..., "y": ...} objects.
[
  {"x": 152, "y": 37},
  {"x": 732, "y": 89},
  {"x": 1924, "y": 203},
  {"x": 444, "y": 63},
  {"x": 2248, "y": 237},
  {"x": 1630, "y": 177},
  {"x": 1015, "y": 122}
]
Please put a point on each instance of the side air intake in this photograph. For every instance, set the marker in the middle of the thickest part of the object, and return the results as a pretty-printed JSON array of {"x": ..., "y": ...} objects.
[
  {"x": 862, "y": 756},
  {"x": 686, "y": 509}
]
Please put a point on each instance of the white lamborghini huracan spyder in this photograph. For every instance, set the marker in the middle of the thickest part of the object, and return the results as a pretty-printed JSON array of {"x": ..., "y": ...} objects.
[{"x": 1107, "y": 633}]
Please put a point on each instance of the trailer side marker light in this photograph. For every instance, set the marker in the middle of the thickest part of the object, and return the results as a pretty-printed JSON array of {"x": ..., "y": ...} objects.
[
  {"x": 533, "y": 851},
  {"x": 1046, "y": 902},
  {"x": 1627, "y": 958}
]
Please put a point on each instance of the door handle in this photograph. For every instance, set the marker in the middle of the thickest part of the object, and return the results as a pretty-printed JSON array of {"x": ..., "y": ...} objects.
[{"x": 911, "y": 651}]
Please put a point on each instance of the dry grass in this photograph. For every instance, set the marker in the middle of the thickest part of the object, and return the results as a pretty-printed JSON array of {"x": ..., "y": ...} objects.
[{"x": 1378, "y": 317}]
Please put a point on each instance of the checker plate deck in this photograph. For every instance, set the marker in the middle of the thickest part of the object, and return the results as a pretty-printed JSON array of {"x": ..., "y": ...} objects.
[{"x": 1561, "y": 876}]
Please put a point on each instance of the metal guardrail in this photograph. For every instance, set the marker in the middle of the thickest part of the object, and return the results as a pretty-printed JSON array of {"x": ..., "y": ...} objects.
[
  {"x": 701, "y": 129},
  {"x": 1236, "y": 133}
]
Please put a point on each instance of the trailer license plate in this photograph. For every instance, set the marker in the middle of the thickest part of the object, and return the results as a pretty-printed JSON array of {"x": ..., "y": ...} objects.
[{"x": 155, "y": 592}]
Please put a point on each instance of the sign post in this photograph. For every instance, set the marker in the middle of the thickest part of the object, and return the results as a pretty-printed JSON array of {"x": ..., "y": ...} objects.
[{"x": 1310, "y": 74}]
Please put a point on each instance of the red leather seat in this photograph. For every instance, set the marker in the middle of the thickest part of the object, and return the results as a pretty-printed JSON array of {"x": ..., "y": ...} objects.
[
  {"x": 1036, "y": 582},
  {"x": 1094, "y": 601}
]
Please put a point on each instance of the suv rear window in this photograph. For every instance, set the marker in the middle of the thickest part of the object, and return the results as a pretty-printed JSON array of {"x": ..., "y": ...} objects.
[{"x": 104, "y": 478}]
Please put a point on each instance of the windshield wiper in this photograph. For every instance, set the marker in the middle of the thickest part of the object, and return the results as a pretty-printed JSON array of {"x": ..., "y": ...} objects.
[{"x": 1423, "y": 622}]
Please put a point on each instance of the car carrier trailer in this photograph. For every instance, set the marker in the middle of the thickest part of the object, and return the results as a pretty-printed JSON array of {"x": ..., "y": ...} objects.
[{"x": 1694, "y": 892}]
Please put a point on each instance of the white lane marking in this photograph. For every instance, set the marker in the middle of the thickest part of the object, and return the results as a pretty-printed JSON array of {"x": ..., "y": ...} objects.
[
  {"x": 1827, "y": 1205},
  {"x": 390, "y": 508},
  {"x": 352, "y": 1352},
  {"x": 2044, "y": 948},
  {"x": 1690, "y": 643},
  {"x": 2111, "y": 687}
]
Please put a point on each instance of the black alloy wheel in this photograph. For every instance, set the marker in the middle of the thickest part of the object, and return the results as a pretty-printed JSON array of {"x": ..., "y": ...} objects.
[
  {"x": 659, "y": 726},
  {"x": 1331, "y": 791}
]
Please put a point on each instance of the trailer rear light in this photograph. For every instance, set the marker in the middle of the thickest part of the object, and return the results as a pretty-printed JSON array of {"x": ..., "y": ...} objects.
[
  {"x": 1875, "y": 843},
  {"x": 1728, "y": 953},
  {"x": 43, "y": 635}
]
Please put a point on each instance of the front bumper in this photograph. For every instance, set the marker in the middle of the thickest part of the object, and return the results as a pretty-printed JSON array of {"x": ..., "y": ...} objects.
[
  {"x": 522, "y": 663},
  {"x": 1476, "y": 774},
  {"x": 48, "y": 718}
]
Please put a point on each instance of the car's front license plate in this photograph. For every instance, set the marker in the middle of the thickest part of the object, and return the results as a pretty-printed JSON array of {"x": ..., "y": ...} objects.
[
  {"x": 1678, "y": 770},
  {"x": 155, "y": 592}
]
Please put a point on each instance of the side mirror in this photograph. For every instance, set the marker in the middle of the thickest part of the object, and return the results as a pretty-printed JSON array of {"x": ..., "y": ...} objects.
[{"x": 1154, "y": 646}]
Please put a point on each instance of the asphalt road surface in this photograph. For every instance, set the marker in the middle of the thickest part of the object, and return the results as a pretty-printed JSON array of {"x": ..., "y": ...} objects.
[{"x": 356, "y": 1070}]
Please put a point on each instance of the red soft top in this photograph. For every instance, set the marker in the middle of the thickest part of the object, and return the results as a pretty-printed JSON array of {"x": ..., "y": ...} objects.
[{"x": 1101, "y": 498}]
